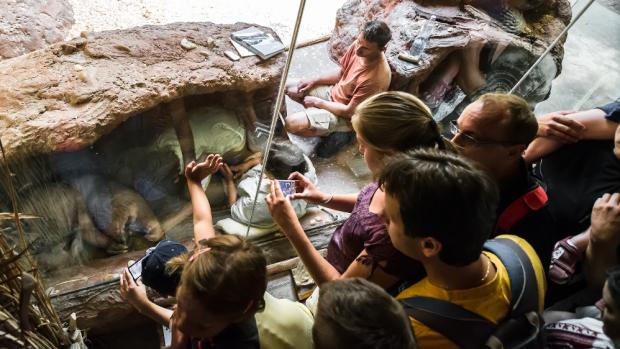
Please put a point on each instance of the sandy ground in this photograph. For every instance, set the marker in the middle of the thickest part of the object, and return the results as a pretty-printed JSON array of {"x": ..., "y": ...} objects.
[{"x": 97, "y": 15}]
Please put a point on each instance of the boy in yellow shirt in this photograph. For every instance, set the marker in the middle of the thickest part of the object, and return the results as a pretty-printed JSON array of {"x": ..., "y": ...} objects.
[{"x": 440, "y": 211}]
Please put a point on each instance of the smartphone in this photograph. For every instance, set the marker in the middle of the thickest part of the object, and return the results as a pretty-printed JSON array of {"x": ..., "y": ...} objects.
[
  {"x": 287, "y": 187},
  {"x": 136, "y": 268}
]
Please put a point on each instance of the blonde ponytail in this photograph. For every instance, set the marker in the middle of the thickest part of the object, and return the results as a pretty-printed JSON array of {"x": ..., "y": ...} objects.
[{"x": 397, "y": 122}]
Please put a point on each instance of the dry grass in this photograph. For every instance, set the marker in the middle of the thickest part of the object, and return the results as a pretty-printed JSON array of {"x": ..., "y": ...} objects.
[{"x": 39, "y": 325}]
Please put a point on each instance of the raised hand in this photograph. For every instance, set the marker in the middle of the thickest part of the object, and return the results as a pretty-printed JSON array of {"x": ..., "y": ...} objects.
[
  {"x": 605, "y": 221},
  {"x": 198, "y": 171}
]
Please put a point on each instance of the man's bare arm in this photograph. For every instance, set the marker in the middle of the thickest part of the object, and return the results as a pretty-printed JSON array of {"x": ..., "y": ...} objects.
[
  {"x": 338, "y": 109},
  {"x": 589, "y": 124},
  {"x": 176, "y": 109},
  {"x": 601, "y": 253},
  {"x": 330, "y": 78}
]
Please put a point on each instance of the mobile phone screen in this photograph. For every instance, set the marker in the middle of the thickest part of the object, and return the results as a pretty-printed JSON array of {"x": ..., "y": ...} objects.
[
  {"x": 136, "y": 269},
  {"x": 287, "y": 187}
]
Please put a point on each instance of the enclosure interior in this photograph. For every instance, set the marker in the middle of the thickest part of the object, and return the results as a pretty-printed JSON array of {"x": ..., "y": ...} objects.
[{"x": 87, "y": 212}]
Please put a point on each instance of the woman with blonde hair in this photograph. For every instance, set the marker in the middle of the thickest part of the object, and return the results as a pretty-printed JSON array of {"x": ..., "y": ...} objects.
[
  {"x": 386, "y": 125},
  {"x": 223, "y": 281}
]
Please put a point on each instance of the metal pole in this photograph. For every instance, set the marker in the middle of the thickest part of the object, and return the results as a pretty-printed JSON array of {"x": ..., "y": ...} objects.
[
  {"x": 276, "y": 111},
  {"x": 555, "y": 42}
]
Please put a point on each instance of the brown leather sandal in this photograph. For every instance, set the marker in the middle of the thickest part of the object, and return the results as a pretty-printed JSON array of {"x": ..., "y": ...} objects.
[{"x": 564, "y": 260}]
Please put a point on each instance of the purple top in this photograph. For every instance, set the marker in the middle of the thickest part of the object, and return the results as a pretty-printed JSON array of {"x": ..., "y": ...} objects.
[{"x": 366, "y": 230}]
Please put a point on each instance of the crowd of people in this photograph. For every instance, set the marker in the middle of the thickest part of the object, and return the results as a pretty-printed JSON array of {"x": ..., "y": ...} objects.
[{"x": 506, "y": 235}]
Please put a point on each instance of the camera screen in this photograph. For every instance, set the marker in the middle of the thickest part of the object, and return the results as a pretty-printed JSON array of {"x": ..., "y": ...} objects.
[
  {"x": 136, "y": 269},
  {"x": 287, "y": 187}
]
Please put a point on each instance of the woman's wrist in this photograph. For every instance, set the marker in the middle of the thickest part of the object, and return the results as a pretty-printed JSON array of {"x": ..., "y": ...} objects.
[
  {"x": 320, "y": 198},
  {"x": 142, "y": 305},
  {"x": 327, "y": 198}
]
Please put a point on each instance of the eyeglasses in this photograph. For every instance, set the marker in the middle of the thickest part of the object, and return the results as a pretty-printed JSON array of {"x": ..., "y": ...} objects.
[{"x": 471, "y": 140}]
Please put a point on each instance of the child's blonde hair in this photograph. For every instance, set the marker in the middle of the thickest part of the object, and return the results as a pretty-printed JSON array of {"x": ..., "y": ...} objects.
[{"x": 229, "y": 278}]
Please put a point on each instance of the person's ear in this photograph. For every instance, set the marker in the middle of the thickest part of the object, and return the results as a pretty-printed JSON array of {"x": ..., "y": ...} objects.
[{"x": 430, "y": 247}]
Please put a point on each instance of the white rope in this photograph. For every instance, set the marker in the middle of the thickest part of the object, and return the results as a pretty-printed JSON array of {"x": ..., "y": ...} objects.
[{"x": 276, "y": 111}]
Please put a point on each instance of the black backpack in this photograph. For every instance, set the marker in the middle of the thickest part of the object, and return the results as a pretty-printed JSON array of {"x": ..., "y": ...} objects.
[{"x": 521, "y": 328}]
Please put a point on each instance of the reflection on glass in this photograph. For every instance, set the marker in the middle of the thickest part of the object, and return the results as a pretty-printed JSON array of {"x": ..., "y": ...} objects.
[
  {"x": 472, "y": 48},
  {"x": 97, "y": 187},
  {"x": 448, "y": 53},
  {"x": 124, "y": 190}
]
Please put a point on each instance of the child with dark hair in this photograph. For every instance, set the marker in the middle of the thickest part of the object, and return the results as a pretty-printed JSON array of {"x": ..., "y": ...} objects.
[
  {"x": 356, "y": 313},
  {"x": 440, "y": 210},
  {"x": 284, "y": 158}
]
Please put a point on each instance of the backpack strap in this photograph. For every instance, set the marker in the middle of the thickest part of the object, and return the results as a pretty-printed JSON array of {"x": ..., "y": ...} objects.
[
  {"x": 468, "y": 329},
  {"x": 461, "y": 326},
  {"x": 533, "y": 200},
  {"x": 523, "y": 282}
]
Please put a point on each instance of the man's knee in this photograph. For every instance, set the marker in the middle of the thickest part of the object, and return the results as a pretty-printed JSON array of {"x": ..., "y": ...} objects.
[
  {"x": 297, "y": 122},
  {"x": 295, "y": 95},
  {"x": 291, "y": 89}
]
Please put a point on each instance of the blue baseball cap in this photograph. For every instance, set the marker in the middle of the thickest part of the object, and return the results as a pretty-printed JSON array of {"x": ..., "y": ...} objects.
[{"x": 154, "y": 273}]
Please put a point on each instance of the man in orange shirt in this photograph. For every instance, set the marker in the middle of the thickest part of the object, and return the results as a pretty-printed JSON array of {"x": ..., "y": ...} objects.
[{"x": 330, "y": 100}]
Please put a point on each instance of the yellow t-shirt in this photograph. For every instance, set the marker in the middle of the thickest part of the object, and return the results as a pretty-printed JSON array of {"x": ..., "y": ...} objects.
[{"x": 491, "y": 300}]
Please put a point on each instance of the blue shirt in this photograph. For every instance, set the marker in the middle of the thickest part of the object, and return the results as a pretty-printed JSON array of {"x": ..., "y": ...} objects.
[{"x": 612, "y": 111}]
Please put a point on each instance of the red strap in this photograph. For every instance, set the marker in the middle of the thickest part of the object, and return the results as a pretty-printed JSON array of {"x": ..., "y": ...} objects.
[{"x": 533, "y": 200}]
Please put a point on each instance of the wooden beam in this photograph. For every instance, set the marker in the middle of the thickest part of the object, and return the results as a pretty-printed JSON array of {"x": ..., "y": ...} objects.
[{"x": 311, "y": 42}]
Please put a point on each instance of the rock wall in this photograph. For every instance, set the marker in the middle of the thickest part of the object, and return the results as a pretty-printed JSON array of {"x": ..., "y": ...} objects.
[
  {"x": 66, "y": 96},
  {"x": 527, "y": 27},
  {"x": 29, "y": 25}
]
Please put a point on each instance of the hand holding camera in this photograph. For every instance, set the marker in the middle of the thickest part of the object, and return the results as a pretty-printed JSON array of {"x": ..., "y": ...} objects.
[
  {"x": 306, "y": 190},
  {"x": 132, "y": 291}
]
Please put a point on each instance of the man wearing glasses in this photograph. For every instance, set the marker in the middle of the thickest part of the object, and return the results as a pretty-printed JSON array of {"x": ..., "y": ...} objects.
[{"x": 494, "y": 131}]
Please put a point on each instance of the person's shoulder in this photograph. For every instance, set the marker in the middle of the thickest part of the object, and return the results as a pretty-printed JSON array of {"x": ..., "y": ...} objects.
[
  {"x": 420, "y": 288},
  {"x": 349, "y": 55},
  {"x": 377, "y": 79},
  {"x": 241, "y": 335},
  {"x": 370, "y": 187}
]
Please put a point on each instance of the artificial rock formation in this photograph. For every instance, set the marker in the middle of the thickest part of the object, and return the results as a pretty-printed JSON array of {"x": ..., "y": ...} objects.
[
  {"x": 66, "y": 96},
  {"x": 513, "y": 35},
  {"x": 29, "y": 25}
]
